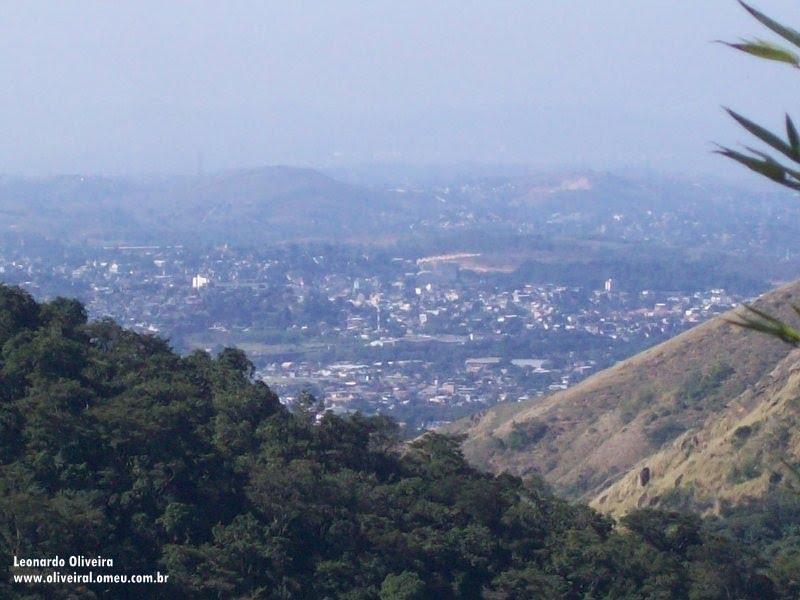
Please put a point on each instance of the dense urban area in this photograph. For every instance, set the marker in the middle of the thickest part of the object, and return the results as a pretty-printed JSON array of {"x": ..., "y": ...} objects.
[{"x": 424, "y": 340}]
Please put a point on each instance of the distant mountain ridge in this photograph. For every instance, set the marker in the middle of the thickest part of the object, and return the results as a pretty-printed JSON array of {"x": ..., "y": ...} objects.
[
  {"x": 246, "y": 206},
  {"x": 692, "y": 421},
  {"x": 280, "y": 203}
]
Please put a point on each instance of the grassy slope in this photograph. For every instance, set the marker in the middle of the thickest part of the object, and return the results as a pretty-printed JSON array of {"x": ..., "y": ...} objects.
[
  {"x": 733, "y": 456},
  {"x": 584, "y": 439}
]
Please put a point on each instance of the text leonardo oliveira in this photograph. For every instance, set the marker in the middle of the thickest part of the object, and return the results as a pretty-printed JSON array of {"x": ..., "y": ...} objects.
[{"x": 77, "y": 562}]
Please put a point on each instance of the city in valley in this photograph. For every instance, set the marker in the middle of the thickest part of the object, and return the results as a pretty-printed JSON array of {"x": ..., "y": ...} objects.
[
  {"x": 425, "y": 302},
  {"x": 424, "y": 340}
]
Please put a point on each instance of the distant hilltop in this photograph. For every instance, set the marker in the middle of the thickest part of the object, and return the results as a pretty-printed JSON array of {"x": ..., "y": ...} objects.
[{"x": 280, "y": 203}]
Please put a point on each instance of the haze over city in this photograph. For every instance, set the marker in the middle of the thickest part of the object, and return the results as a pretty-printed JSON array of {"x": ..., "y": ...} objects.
[{"x": 151, "y": 87}]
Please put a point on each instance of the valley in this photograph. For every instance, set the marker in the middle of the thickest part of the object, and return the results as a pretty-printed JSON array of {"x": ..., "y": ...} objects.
[{"x": 488, "y": 296}]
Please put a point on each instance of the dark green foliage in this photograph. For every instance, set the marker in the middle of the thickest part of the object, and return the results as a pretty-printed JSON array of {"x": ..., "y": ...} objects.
[
  {"x": 113, "y": 445},
  {"x": 773, "y": 527},
  {"x": 670, "y": 532},
  {"x": 740, "y": 435},
  {"x": 526, "y": 434},
  {"x": 703, "y": 385},
  {"x": 744, "y": 471},
  {"x": 664, "y": 431},
  {"x": 404, "y": 586},
  {"x": 18, "y": 311},
  {"x": 66, "y": 314}
]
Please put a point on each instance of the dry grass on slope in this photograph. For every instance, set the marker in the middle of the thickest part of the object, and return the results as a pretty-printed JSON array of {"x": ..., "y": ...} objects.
[
  {"x": 734, "y": 456},
  {"x": 588, "y": 436}
]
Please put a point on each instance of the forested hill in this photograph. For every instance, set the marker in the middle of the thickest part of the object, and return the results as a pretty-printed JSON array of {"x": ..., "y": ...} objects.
[{"x": 113, "y": 446}]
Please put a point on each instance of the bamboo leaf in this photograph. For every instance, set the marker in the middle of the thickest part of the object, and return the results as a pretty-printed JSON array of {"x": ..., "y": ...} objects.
[
  {"x": 794, "y": 139},
  {"x": 787, "y": 33},
  {"x": 761, "y": 167},
  {"x": 764, "y": 135},
  {"x": 767, "y": 50},
  {"x": 787, "y": 171},
  {"x": 765, "y": 323}
]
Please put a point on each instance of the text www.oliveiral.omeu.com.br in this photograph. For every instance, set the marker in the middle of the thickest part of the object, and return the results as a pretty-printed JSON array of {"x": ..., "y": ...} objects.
[{"x": 53, "y": 575}]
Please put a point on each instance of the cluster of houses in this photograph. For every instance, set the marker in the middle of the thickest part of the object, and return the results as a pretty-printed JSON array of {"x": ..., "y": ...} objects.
[{"x": 425, "y": 344}]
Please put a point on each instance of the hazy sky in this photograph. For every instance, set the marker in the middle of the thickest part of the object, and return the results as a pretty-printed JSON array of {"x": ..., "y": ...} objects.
[{"x": 146, "y": 86}]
